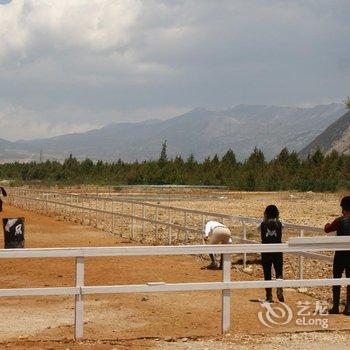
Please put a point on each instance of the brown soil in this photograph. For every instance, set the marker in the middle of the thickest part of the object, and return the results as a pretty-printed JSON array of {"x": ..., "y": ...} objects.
[{"x": 121, "y": 321}]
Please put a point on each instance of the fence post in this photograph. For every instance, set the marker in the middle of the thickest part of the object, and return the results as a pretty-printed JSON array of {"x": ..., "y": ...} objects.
[
  {"x": 96, "y": 207},
  {"x": 122, "y": 218},
  {"x": 301, "y": 260},
  {"x": 244, "y": 237},
  {"x": 185, "y": 227},
  {"x": 143, "y": 220},
  {"x": 226, "y": 294},
  {"x": 66, "y": 207},
  {"x": 82, "y": 210},
  {"x": 71, "y": 215},
  {"x": 112, "y": 209},
  {"x": 169, "y": 227},
  {"x": 203, "y": 228},
  {"x": 79, "y": 303},
  {"x": 97, "y": 202},
  {"x": 89, "y": 212},
  {"x": 132, "y": 220},
  {"x": 156, "y": 233}
]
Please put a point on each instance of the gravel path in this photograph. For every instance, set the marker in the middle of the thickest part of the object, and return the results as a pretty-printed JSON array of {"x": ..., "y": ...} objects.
[{"x": 305, "y": 341}]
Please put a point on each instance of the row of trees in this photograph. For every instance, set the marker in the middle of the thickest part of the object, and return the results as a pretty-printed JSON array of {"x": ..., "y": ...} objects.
[{"x": 286, "y": 172}]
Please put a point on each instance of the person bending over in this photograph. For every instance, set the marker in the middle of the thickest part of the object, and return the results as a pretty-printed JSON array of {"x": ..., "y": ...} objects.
[{"x": 215, "y": 233}]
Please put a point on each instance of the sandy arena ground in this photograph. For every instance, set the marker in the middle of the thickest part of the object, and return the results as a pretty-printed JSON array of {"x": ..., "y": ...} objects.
[{"x": 161, "y": 320}]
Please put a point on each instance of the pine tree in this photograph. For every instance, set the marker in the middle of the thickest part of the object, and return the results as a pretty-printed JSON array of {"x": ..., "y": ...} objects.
[
  {"x": 163, "y": 157},
  {"x": 229, "y": 159}
]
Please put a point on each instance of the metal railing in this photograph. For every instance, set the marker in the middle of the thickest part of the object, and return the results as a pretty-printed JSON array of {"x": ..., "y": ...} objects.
[{"x": 294, "y": 245}]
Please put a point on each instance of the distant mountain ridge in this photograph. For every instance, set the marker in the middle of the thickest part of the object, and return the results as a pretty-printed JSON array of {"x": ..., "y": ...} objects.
[
  {"x": 335, "y": 138},
  {"x": 200, "y": 131}
]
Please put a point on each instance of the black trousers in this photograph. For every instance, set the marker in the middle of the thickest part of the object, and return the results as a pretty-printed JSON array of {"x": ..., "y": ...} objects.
[
  {"x": 268, "y": 260},
  {"x": 341, "y": 263}
]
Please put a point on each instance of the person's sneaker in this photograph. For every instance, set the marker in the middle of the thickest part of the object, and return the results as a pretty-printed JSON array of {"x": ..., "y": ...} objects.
[
  {"x": 346, "y": 311},
  {"x": 212, "y": 266},
  {"x": 280, "y": 296},
  {"x": 334, "y": 310}
]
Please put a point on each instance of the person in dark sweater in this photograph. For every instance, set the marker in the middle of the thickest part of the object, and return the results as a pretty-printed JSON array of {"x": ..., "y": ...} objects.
[
  {"x": 341, "y": 260},
  {"x": 271, "y": 232}
]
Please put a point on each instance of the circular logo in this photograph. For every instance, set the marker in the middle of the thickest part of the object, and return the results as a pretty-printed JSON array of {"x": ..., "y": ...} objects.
[{"x": 275, "y": 315}]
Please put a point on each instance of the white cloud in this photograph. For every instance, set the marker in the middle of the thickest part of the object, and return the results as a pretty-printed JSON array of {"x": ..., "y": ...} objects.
[
  {"x": 18, "y": 123},
  {"x": 85, "y": 63},
  {"x": 32, "y": 125},
  {"x": 56, "y": 26}
]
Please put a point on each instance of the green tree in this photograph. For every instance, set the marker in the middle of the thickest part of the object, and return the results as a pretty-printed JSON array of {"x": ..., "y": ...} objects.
[
  {"x": 256, "y": 159},
  {"x": 317, "y": 158},
  {"x": 283, "y": 157},
  {"x": 163, "y": 157},
  {"x": 229, "y": 159}
]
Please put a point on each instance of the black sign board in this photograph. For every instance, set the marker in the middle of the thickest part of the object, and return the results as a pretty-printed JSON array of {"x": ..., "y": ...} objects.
[{"x": 13, "y": 232}]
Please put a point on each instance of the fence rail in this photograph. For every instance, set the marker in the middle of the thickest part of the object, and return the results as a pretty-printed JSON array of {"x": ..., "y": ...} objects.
[
  {"x": 226, "y": 285},
  {"x": 41, "y": 194},
  {"x": 96, "y": 209}
]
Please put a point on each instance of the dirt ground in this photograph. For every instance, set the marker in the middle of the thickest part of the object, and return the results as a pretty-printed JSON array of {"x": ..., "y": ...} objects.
[
  {"x": 310, "y": 208},
  {"x": 160, "y": 320}
]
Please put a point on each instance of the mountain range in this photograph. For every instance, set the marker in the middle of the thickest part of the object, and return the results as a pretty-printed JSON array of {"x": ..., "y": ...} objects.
[
  {"x": 335, "y": 138},
  {"x": 201, "y": 131}
]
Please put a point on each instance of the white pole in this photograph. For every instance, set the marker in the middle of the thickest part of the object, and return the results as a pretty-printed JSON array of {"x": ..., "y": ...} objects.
[
  {"x": 132, "y": 220},
  {"x": 169, "y": 227},
  {"x": 82, "y": 210},
  {"x": 96, "y": 207},
  {"x": 97, "y": 201},
  {"x": 89, "y": 215},
  {"x": 301, "y": 260},
  {"x": 112, "y": 209},
  {"x": 143, "y": 221},
  {"x": 186, "y": 231},
  {"x": 226, "y": 294},
  {"x": 244, "y": 237},
  {"x": 79, "y": 303},
  {"x": 156, "y": 232},
  {"x": 122, "y": 217},
  {"x": 67, "y": 203},
  {"x": 203, "y": 221}
]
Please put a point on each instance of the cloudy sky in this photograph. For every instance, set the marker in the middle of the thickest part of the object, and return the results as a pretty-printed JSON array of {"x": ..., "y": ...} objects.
[{"x": 73, "y": 65}]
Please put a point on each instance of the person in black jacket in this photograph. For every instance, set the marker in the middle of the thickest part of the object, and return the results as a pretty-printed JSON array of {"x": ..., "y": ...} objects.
[
  {"x": 4, "y": 193},
  {"x": 271, "y": 232},
  {"x": 341, "y": 263}
]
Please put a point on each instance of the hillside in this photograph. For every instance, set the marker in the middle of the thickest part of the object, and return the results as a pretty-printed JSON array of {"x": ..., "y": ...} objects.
[
  {"x": 335, "y": 138},
  {"x": 200, "y": 131}
]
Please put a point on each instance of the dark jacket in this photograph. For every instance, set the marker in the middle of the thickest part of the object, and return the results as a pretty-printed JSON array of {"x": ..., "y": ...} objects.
[
  {"x": 271, "y": 231},
  {"x": 342, "y": 226}
]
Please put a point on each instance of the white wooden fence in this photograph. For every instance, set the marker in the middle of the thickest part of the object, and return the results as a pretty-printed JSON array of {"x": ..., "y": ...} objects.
[
  {"x": 294, "y": 245},
  {"x": 102, "y": 212}
]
